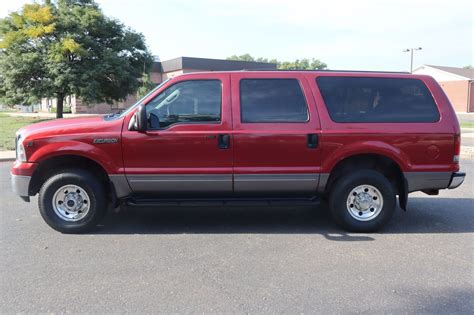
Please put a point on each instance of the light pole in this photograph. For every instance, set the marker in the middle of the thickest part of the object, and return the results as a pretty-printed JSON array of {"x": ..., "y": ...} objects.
[{"x": 411, "y": 50}]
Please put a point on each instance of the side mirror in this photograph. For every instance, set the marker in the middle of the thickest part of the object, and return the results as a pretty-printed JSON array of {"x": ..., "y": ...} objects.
[{"x": 139, "y": 120}]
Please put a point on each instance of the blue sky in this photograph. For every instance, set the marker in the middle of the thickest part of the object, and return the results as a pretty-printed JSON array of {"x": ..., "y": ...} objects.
[{"x": 360, "y": 34}]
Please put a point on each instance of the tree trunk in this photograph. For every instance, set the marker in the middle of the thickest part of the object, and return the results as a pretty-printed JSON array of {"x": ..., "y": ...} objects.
[{"x": 59, "y": 106}]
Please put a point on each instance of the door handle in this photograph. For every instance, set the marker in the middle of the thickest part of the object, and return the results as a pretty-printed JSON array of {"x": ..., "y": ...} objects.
[
  {"x": 223, "y": 141},
  {"x": 312, "y": 141}
]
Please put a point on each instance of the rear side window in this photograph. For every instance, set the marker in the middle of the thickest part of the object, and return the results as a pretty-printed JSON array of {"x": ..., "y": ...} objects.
[
  {"x": 372, "y": 100},
  {"x": 271, "y": 101}
]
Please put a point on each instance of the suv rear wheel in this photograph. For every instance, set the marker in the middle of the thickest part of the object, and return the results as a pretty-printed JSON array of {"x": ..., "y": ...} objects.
[
  {"x": 363, "y": 201},
  {"x": 72, "y": 201}
]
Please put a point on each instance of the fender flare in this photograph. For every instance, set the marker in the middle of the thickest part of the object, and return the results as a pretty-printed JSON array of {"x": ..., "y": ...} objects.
[
  {"x": 366, "y": 147},
  {"x": 84, "y": 150}
]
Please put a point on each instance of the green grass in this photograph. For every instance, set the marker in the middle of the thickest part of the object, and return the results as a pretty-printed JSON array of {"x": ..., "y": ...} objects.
[
  {"x": 467, "y": 124},
  {"x": 9, "y": 125}
]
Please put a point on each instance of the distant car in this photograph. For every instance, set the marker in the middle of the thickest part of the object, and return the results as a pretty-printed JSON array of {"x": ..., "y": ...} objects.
[{"x": 249, "y": 138}]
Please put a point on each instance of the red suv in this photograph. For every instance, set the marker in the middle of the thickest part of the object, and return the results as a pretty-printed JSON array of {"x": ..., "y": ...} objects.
[{"x": 358, "y": 139}]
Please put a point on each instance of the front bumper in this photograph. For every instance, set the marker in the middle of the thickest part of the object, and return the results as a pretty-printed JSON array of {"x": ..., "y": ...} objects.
[
  {"x": 456, "y": 180},
  {"x": 20, "y": 185}
]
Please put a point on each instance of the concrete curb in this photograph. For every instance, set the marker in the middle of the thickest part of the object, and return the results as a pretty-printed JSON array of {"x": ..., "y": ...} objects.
[{"x": 7, "y": 156}]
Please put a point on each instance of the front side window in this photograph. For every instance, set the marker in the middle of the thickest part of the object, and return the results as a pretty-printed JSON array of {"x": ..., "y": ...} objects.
[
  {"x": 272, "y": 101},
  {"x": 372, "y": 100},
  {"x": 194, "y": 101}
]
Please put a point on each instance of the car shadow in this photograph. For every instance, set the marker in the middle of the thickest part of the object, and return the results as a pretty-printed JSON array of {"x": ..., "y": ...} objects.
[{"x": 424, "y": 215}]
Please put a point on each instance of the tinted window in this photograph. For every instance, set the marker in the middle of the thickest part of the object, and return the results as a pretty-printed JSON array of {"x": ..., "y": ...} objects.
[
  {"x": 196, "y": 101},
  {"x": 272, "y": 100},
  {"x": 350, "y": 99}
]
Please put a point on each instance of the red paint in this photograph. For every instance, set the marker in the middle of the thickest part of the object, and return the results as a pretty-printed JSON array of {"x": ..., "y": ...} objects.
[
  {"x": 255, "y": 148},
  {"x": 181, "y": 148},
  {"x": 404, "y": 143},
  {"x": 23, "y": 169},
  {"x": 74, "y": 136},
  {"x": 274, "y": 147}
]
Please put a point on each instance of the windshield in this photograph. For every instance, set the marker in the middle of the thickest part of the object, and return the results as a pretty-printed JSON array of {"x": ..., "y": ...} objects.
[{"x": 131, "y": 108}]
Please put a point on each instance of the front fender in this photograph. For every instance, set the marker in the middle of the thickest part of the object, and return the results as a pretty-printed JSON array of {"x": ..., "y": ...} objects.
[{"x": 106, "y": 155}]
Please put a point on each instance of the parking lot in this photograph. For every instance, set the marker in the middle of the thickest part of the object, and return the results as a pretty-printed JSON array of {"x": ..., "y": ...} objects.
[{"x": 241, "y": 260}]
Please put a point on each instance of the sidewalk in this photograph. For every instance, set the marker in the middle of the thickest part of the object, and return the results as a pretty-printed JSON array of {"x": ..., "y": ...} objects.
[
  {"x": 7, "y": 156},
  {"x": 465, "y": 117}
]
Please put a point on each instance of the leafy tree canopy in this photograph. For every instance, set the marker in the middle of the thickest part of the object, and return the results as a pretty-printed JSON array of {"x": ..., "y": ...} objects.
[
  {"x": 66, "y": 47},
  {"x": 298, "y": 64},
  {"x": 146, "y": 85}
]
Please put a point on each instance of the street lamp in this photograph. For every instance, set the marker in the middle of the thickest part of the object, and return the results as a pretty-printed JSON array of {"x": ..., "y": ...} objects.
[{"x": 411, "y": 56}]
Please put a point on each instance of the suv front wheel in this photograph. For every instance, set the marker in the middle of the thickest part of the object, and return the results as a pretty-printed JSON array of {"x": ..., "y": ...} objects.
[
  {"x": 72, "y": 201},
  {"x": 363, "y": 201}
]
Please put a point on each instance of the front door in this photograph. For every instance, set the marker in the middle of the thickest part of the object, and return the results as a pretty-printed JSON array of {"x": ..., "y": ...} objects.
[
  {"x": 276, "y": 135},
  {"x": 189, "y": 151}
]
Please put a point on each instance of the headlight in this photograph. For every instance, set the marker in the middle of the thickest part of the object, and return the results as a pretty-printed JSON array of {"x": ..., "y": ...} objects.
[{"x": 20, "y": 150}]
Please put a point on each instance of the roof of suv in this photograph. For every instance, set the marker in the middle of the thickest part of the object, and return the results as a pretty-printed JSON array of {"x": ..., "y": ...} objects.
[
  {"x": 326, "y": 70},
  {"x": 274, "y": 73}
]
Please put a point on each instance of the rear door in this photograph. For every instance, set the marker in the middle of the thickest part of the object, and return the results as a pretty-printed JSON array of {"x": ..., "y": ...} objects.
[
  {"x": 190, "y": 152},
  {"x": 276, "y": 134}
]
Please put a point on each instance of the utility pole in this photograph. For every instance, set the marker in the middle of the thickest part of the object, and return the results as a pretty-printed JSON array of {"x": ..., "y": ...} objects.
[{"x": 411, "y": 50}]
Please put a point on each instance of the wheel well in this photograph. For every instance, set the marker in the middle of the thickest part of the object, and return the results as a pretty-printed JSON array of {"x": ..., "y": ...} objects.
[
  {"x": 54, "y": 165},
  {"x": 386, "y": 166}
]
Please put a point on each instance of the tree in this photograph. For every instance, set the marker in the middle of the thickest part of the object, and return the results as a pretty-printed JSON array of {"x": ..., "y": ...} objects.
[
  {"x": 467, "y": 67},
  {"x": 245, "y": 57},
  {"x": 146, "y": 85},
  {"x": 298, "y": 64},
  {"x": 68, "y": 48},
  {"x": 303, "y": 64}
]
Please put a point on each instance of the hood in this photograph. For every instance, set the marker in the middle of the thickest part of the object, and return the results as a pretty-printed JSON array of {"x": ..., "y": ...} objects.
[{"x": 65, "y": 126}]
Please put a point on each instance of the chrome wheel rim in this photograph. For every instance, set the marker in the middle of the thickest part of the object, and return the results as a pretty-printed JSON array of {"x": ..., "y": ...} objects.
[
  {"x": 71, "y": 203},
  {"x": 364, "y": 203}
]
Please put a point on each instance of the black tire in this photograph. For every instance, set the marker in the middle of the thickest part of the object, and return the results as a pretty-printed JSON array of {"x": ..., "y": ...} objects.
[
  {"x": 339, "y": 194},
  {"x": 95, "y": 192}
]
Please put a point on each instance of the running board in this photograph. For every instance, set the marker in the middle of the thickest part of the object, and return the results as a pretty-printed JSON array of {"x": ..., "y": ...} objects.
[{"x": 231, "y": 202}]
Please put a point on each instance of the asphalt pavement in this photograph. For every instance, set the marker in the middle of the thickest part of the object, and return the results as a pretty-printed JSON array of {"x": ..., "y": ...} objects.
[{"x": 241, "y": 260}]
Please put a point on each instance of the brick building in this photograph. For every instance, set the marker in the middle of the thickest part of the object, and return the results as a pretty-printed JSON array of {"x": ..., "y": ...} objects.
[
  {"x": 161, "y": 71},
  {"x": 457, "y": 83}
]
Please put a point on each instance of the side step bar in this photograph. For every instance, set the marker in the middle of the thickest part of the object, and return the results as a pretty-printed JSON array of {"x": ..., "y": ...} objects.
[{"x": 209, "y": 202}]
